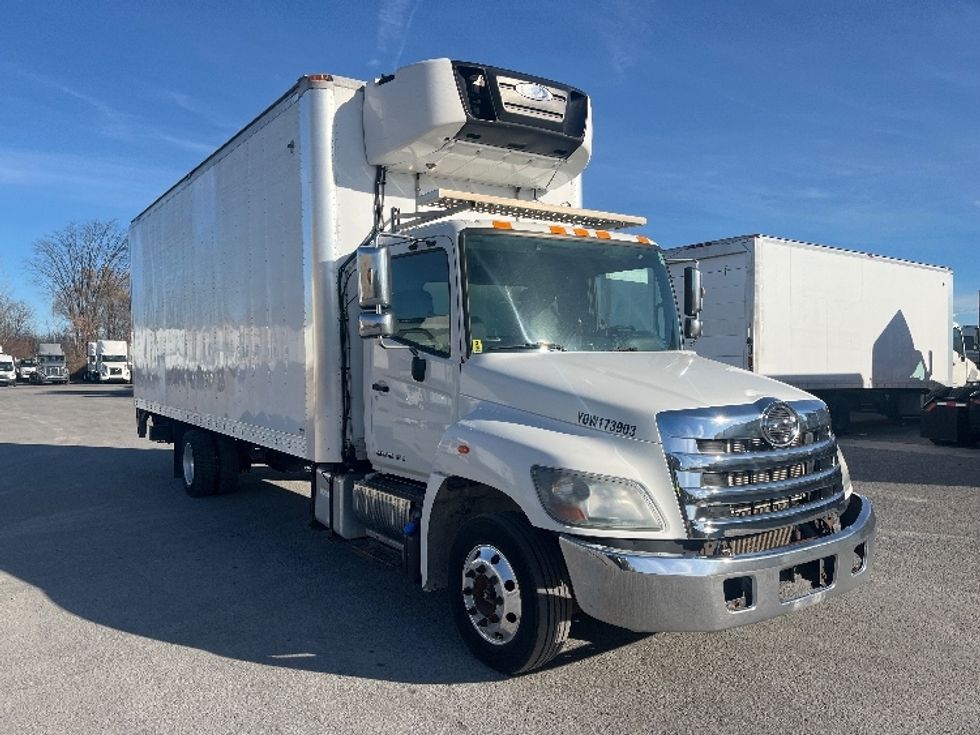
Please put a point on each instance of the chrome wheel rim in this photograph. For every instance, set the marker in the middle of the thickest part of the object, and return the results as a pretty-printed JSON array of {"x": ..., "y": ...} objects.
[
  {"x": 188, "y": 462},
  {"x": 491, "y": 595}
]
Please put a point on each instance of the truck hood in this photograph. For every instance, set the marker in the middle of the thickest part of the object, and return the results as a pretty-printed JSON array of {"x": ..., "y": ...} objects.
[{"x": 618, "y": 393}]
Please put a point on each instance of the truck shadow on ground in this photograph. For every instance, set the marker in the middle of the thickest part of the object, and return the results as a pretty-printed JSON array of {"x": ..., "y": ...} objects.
[
  {"x": 121, "y": 391},
  {"x": 107, "y": 535},
  {"x": 944, "y": 467}
]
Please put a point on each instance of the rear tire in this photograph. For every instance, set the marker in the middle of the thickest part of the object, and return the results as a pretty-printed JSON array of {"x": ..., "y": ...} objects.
[
  {"x": 199, "y": 462},
  {"x": 509, "y": 592}
]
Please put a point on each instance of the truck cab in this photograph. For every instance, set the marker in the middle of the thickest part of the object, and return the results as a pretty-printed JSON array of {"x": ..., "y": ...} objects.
[
  {"x": 111, "y": 364},
  {"x": 964, "y": 369},
  {"x": 26, "y": 368},
  {"x": 539, "y": 370},
  {"x": 51, "y": 366}
]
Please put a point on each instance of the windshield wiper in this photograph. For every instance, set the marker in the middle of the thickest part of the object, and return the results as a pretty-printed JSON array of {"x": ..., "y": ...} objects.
[{"x": 541, "y": 345}]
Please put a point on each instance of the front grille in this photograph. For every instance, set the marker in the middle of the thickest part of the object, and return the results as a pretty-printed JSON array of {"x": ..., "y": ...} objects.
[
  {"x": 777, "y": 473},
  {"x": 757, "y": 444},
  {"x": 732, "y": 484},
  {"x": 757, "y": 542}
]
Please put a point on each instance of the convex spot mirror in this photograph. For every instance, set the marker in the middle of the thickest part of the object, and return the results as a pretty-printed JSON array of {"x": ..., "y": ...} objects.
[
  {"x": 693, "y": 291},
  {"x": 376, "y": 324},
  {"x": 373, "y": 277},
  {"x": 692, "y": 327}
]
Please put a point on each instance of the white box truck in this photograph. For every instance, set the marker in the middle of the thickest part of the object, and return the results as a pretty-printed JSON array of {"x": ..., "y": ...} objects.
[
  {"x": 853, "y": 328},
  {"x": 393, "y": 285}
]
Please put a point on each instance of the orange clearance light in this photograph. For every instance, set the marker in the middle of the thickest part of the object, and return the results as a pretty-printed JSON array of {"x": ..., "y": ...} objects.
[
  {"x": 463, "y": 449},
  {"x": 643, "y": 239},
  {"x": 557, "y": 230},
  {"x": 502, "y": 224},
  {"x": 602, "y": 234},
  {"x": 580, "y": 232}
]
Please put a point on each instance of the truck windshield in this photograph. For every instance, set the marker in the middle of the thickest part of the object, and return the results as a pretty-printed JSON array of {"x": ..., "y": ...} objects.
[
  {"x": 579, "y": 295},
  {"x": 6, "y": 366},
  {"x": 113, "y": 358},
  {"x": 51, "y": 358}
]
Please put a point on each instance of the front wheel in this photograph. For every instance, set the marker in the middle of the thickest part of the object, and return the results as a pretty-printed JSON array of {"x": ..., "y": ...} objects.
[{"x": 509, "y": 593}]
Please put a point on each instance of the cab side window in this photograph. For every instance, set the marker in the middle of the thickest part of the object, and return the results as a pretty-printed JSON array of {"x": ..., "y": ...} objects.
[{"x": 420, "y": 300}]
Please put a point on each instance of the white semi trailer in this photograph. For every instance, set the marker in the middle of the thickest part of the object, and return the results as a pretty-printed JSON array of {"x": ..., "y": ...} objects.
[
  {"x": 393, "y": 285},
  {"x": 853, "y": 328}
]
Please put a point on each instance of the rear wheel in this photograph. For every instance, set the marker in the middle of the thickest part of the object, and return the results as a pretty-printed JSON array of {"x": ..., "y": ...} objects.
[
  {"x": 509, "y": 593},
  {"x": 199, "y": 463}
]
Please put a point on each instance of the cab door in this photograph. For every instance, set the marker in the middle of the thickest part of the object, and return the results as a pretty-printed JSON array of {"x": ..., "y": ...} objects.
[{"x": 412, "y": 377}]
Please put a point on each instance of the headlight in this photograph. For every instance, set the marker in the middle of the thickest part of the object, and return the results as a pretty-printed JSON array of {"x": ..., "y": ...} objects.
[{"x": 595, "y": 501}]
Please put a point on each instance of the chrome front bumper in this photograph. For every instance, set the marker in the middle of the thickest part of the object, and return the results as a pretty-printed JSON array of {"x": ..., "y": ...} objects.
[{"x": 649, "y": 592}]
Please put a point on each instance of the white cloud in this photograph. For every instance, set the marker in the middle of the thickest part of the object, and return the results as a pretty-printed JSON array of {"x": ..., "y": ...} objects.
[
  {"x": 117, "y": 124},
  {"x": 84, "y": 178},
  {"x": 624, "y": 32},
  {"x": 394, "y": 22}
]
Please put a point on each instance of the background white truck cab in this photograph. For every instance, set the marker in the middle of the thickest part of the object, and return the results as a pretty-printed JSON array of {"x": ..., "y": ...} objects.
[
  {"x": 112, "y": 361},
  {"x": 485, "y": 380}
]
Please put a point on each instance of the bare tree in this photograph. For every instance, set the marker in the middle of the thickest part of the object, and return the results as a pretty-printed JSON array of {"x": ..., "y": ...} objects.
[
  {"x": 85, "y": 269},
  {"x": 16, "y": 319}
]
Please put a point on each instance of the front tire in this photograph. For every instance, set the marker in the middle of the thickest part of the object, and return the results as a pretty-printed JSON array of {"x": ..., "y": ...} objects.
[
  {"x": 199, "y": 462},
  {"x": 509, "y": 593}
]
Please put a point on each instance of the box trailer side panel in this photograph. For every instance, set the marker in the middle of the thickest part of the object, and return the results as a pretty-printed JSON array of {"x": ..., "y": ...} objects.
[
  {"x": 727, "y": 277},
  {"x": 829, "y": 318},
  {"x": 221, "y": 292}
]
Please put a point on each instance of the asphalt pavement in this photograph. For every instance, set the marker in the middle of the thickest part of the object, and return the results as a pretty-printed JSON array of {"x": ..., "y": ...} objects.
[{"x": 128, "y": 607}]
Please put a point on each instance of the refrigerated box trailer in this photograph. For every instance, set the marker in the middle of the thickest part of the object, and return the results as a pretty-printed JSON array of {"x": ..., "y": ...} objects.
[
  {"x": 393, "y": 285},
  {"x": 853, "y": 328}
]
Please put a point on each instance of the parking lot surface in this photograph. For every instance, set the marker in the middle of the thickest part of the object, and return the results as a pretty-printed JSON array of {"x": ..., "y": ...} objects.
[{"x": 128, "y": 607}]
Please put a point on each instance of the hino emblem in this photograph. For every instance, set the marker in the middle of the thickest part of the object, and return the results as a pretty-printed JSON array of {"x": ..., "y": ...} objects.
[
  {"x": 780, "y": 425},
  {"x": 534, "y": 92}
]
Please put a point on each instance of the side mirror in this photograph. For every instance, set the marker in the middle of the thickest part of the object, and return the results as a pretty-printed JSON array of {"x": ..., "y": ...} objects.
[
  {"x": 374, "y": 324},
  {"x": 693, "y": 291},
  {"x": 692, "y": 327},
  {"x": 373, "y": 277}
]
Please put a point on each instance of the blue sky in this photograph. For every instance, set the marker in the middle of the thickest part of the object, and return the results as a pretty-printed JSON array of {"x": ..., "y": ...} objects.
[{"x": 854, "y": 124}]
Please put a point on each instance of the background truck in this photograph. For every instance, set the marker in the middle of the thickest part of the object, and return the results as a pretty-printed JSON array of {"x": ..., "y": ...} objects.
[
  {"x": 853, "y": 328},
  {"x": 8, "y": 369},
  {"x": 111, "y": 361},
  {"x": 392, "y": 284},
  {"x": 51, "y": 367},
  {"x": 26, "y": 368}
]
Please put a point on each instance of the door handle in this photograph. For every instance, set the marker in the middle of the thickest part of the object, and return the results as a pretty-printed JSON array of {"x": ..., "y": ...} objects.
[{"x": 380, "y": 387}]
